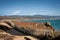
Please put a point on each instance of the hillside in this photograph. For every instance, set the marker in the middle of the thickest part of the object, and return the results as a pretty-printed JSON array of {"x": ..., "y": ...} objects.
[
  {"x": 16, "y": 30},
  {"x": 41, "y": 17}
]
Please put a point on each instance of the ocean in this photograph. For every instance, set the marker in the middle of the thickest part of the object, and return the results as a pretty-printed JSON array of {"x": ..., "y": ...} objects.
[{"x": 55, "y": 23}]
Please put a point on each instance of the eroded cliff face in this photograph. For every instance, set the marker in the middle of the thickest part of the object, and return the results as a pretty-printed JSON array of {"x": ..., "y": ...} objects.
[
  {"x": 7, "y": 32},
  {"x": 32, "y": 27},
  {"x": 25, "y": 29},
  {"x": 35, "y": 28}
]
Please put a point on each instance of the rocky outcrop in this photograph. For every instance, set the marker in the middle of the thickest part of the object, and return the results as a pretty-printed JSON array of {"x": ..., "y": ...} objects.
[
  {"x": 4, "y": 25},
  {"x": 10, "y": 23},
  {"x": 34, "y": 28},
  {"x": 28, "y": 28},
  {"x": 48, "y": 24}
]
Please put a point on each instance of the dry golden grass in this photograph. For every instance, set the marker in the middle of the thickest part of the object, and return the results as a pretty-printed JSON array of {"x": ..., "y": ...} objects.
[{"x": 33, "y": 28}]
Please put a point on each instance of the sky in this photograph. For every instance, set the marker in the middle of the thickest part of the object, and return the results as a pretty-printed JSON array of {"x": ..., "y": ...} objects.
[{"x": 30, "y": 7}]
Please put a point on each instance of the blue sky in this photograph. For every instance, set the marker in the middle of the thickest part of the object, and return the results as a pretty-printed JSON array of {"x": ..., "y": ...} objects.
[{"x": 30, "y": 7}]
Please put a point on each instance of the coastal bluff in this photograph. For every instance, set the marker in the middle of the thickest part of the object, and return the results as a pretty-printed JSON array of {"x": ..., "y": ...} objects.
[{"x": 17, "y": 30}]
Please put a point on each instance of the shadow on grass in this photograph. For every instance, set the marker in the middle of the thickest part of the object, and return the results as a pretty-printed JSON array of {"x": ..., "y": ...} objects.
[
  {"x": 57, "y": 38},
  {"x": 12, "y": 31}
]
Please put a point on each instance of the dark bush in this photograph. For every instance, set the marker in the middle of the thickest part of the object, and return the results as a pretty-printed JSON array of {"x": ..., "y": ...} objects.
[{"x": 57, "y": 38}]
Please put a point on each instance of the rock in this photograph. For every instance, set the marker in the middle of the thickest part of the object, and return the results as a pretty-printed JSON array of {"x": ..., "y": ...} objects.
[
  {"x": 10, "y": 23},
  {"x": 47, "y": 24},
  {"x": 27, "y": 38},
  {"x": 5, "y": 24}
]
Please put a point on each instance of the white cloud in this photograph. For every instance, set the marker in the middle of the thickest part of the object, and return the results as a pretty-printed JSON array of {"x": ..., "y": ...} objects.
[{"x": 16, "y": 12}]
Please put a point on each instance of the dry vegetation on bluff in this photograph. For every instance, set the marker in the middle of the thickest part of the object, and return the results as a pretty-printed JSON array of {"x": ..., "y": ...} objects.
[
  {"x": 16, "y": 30},
  {"x": 34, "y": 27}
]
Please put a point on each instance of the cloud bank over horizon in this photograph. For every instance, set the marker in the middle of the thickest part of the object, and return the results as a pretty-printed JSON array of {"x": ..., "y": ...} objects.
[{"x": 15, "y": 12}]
